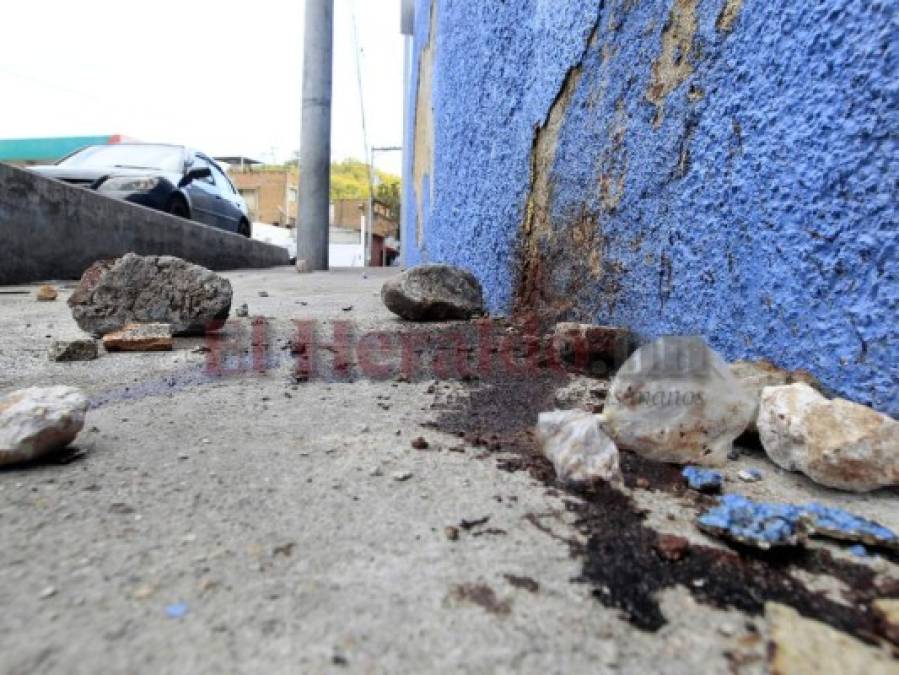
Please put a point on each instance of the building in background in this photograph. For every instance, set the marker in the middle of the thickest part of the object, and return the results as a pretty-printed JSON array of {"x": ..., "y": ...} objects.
[
  {"x": 29, "y": 151},
  {"x": 271, "y": 193}
]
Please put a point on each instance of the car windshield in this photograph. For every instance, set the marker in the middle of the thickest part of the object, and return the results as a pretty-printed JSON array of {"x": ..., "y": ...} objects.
[{"x": 160, "y": 157}]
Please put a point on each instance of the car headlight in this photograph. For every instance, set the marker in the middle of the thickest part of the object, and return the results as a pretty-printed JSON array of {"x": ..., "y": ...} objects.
[{"x": 130, "y": 184}]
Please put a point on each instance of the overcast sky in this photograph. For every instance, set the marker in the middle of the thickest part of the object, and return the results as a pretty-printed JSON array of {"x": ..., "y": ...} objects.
[{"x": 222, "y": 77}]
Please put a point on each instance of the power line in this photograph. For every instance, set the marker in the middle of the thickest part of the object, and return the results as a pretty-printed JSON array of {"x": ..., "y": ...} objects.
[{"x": 366, "y": 252}]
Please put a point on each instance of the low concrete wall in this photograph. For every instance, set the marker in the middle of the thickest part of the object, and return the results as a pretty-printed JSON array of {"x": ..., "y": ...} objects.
[{"x": 50, "y": 230}]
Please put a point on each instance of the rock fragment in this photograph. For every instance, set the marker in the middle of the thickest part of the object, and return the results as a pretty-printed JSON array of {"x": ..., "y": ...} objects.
[
  {"x": 754, "y": 376},
  {"x": 584, "y": 393},
  {"x": 836, "y": 443},
  {"x": 671, "y": 547},
  {"x": 703, "y": 480},
  {"x": 801, "y": 646},
  {"x": 150, "y": 289},
  {"x": 754, "y": 523},
  {"x": 434, "y": 293},
  {"x": 140, "y": 337},
  {"x": 838, "y": 524},
  {"x": 579, "y": 449},
  {"x": 46, "y": 293},
  {"x": 37, "y": 421},
  {"x": 765, "y": 525},
  {"x": 675, "y": 400},
  {"x": 749, "y": 475},
  {"x": 73, "y": 350},
  {"x": 591, "y": 348},
  {"x": 887, "y": 611}
]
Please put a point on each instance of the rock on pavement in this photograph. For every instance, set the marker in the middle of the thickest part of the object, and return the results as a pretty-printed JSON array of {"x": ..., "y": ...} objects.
[
  {"x": 39, "y": 420},
  {"x": 46, "y": 293},
  {"x": 756, "y": 375},
  {"x": 579, "y": 449},
  {"x": 150, "y": 289},
  {"x": 801, "y": 646},
  {"x": 434, "y": 293},
  {"x": 836, "y": 443},
  {"x": 675, "y": 400},
  {"x": 140, "y": 337},
  {"x": 73, "y": 350}
]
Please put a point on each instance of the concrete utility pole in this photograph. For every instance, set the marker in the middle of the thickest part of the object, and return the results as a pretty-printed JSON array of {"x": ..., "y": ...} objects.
[{"x": 315, "y": 141}]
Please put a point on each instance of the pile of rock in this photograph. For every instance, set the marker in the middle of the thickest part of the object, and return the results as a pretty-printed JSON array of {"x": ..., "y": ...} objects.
[
  {"x": 138, "y": 303},
  {"x": 676, "y": 400}
]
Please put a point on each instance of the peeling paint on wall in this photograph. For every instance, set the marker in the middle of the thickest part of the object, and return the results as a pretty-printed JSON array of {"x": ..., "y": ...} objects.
[
  {"x": 728, "y": 16},
  {"x": 537, "y": 229},
  {"x": 423, "y": 162},
  {"x": 673, "y": 65}
]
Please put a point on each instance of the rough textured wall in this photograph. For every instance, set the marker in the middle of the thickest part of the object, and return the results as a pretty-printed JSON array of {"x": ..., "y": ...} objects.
[{"x": 715, "y": 167}]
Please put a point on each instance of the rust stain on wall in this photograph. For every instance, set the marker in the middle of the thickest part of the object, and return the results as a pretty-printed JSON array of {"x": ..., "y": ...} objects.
[
  {"x": 536, "y": 229},
  {"x": 613, "y": 161},
  {"x": 423, "y": 159},
  {"x": 673, "y": 65}
]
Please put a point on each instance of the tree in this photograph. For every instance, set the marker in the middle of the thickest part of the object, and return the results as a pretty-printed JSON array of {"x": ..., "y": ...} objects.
[{"x": 349, "y": 180}]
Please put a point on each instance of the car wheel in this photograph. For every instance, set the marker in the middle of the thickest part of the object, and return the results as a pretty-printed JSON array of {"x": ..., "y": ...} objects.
[
  {"x": 178, "y": 207},
  {"x": 245, "y": 229}
]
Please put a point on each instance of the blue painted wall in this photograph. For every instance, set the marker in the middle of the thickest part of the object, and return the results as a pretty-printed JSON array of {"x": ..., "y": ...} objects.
[{"x": 720, "y": 168}]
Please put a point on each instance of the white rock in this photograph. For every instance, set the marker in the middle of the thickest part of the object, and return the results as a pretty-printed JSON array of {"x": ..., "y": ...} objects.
[
  {"x": 754, "y": 376},
  {"x": 836, "y": 443},
  {"x": 801, "y": 646},
  {"x": 579, "y": 449},
  {"x": 39, "y": 420},
  {"x": 675, "y": 400}
]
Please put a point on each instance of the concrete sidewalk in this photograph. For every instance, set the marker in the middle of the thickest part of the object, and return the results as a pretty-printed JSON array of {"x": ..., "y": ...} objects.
[{"x": 304, "y": 533}]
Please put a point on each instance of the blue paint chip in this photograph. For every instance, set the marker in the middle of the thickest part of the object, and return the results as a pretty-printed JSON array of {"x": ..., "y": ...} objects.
[
  {"x": 764, "y": 526},
  {"x": 840, "y": 524},
  {"x": 859, "y": 551},
  {"x": 177, "y": 610},
  {"x": 753, "y": 523},
  {"x": 703, "y": 480}
]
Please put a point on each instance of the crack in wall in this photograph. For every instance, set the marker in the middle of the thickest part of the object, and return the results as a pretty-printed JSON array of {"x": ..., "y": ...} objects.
[
  {"x": 536, "y": 227},
  {"x": 423, "y": 158}
]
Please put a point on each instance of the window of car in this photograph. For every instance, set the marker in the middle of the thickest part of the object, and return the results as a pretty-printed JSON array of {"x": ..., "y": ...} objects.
[
  {"x": 128, "y": 156},
  {"x": 200, "y": 161},
  {"x": 223, "y": 181}
]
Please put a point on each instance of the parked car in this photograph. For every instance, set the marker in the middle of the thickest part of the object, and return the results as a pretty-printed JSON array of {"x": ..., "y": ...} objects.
[{"x": 171, "y": 178}]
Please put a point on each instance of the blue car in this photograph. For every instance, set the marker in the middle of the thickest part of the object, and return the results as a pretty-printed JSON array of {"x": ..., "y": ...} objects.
[{"x": 170, "y": 178}]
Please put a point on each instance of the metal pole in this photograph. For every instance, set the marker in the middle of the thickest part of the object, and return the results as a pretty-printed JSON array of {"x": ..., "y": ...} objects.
[
  {"x": 315, "y": 141},
  {"x": 407, "y": 70},
  {"x": 371, "y": 207}
]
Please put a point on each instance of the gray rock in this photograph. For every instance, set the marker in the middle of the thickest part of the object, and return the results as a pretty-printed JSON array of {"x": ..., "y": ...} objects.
[
  {"x": 434, "y": 293},
  {"x": 73, "y": 350},
  {"x": 150, "y": 289},
  {"x": 36, "y": 421}
]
